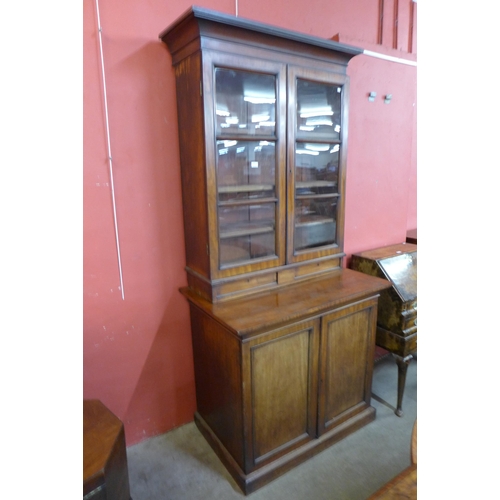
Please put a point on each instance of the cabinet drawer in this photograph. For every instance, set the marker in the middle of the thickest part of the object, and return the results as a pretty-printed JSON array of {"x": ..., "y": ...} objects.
[
  {"x": 395, "y": 343},
  {"x": 409, "y": 324},
  {"x": 396, "y": 316},
  {"x": 411, "y": 306}
]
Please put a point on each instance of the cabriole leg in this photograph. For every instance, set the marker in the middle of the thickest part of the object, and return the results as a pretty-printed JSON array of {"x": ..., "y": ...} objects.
[{"x": 402, "y": 369}]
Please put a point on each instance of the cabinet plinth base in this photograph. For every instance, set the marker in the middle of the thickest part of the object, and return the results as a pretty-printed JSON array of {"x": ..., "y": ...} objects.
[{"x": 264, "y": 475}]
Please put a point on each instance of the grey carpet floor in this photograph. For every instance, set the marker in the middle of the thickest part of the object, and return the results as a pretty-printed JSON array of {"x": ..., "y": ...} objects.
[{"x": 181, "y": 465}]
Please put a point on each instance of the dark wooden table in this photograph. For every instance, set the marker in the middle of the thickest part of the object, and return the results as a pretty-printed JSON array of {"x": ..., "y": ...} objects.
[
  {"x": 411, "y": 236},
  {"x": 404, "y": 485},
  {"x": 105, "y": 472}
]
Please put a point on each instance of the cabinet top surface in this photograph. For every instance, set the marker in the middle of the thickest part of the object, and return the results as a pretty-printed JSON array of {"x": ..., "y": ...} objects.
[
  {"x": 293, "y": 303},
  {"x": 387, "y": 252},
  {"x": 100, "y": 431},
  {"x": 201, "y": 13}
]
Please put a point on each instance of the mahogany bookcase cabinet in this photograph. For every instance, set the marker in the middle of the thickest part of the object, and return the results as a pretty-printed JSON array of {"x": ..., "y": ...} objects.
[{"x": 283, "y": 334}]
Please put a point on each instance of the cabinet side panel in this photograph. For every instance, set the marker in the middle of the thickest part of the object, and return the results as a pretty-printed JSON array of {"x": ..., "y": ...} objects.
[
  {"x": 218, "y": 381},
  {"x": 192, "y": 154},
  {"x": 348, "y": 342}
]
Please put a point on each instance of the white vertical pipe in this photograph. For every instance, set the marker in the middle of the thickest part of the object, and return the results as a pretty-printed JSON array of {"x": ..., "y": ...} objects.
[
  {"x": 236, "y": 4},
  {"x": 109, "y": 151}
]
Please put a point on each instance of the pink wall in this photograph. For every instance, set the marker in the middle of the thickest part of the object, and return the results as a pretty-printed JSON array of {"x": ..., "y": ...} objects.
[
  {"x": 381, "y": 172},
  {"x": 137, "y": 351}
]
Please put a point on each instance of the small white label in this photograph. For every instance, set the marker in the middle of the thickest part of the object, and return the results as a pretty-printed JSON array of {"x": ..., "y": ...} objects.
[{"x": 254, "y": 164}]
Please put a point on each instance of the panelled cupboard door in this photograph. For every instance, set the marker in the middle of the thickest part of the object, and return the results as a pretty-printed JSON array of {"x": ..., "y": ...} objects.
[
  {"x": 245, "y": 114},
  {"x": 317, "y": 139},
  {"x": 346, "y": 363},
  {"x": 282, "y": 369}
]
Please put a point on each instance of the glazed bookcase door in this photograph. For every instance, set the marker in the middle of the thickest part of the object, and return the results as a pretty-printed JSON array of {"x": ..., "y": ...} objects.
[
  {"x": 245, "y": 119},
  {"x": 317, "y": 138}
]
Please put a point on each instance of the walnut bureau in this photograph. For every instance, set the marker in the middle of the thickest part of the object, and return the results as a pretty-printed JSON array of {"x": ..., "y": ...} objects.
[{"x": 397, "y": 309}]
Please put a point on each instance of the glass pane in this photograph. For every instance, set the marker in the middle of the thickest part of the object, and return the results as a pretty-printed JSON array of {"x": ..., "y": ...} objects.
[
  {"x": 244, "y": 248},
  {"x": 316, "y": 168},
  {"x": 238, "y": 220},
  {"x": 315, "y": 222},
  {"x": 245, "y": 102},
  {"x": 245, "y": 169},
  {"x": 246, "y": 232},
  {"x": 318, "y": 110}
]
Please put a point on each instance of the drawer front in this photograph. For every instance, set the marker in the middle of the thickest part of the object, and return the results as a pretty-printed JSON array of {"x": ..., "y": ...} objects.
[
  {"x": 410, "y": 306},
  {"x": 412, "y": 343},
  {"x": 395, "y": 343},
  {"x": 409, "y": 324},
  {"x": 395, "y": 314},
  {"x": 402, "y": 322}
]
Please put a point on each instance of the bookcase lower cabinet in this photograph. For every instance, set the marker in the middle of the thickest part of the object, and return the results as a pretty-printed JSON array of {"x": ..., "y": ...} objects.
[{"x": 269, "y": 399}]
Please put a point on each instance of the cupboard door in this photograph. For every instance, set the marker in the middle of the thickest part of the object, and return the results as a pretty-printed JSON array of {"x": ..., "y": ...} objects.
[
  {"x": 246, "y": 144},
  {"x": 282, "y": 370},
  {"x": 317, "y": 138},
  {"x": 346, "y": 362}
]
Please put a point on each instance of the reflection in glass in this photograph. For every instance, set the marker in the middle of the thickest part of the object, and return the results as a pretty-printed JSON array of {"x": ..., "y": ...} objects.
[
  {"x": 244, "y": 248},
  {"x": 316, "y": 168},
  {"x": 245, "y": 169},
  {"x": 315, "y": 222},
  {"x": 318, "y": 109},
  {"x": 245, "y": 102},
  {"x": 246, "y": 232}
]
